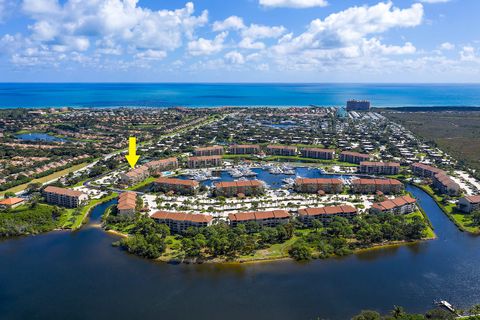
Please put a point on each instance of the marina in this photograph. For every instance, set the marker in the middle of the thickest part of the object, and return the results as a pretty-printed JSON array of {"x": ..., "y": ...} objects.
[{"x": 274, "y": 176}]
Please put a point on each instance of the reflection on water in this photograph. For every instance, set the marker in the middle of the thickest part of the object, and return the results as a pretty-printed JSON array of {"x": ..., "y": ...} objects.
[{"x": 80, "y": 275}]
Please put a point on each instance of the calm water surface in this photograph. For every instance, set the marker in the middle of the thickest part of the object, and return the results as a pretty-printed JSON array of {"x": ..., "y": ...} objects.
[
  {"x": 22, "y": 95},
  {"x": 38, "y": 137},
  {"x": 80, "y": 276},
  {"x": 274, "y": 181}
]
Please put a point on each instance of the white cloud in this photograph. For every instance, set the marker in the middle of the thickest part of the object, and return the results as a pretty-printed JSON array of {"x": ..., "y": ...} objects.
[
  {"x": 235, "y": 57},
  {"x": 447, "y": 46},
  {"x": 232, "y": 22},
  {"x": 350, "y": 27},
  {"x": 74, "y": 25},
  {"x": 207, "y": 47},
  {"x": 293, "y": 3},
  {"x": 41, "y": 7},
  {"x": 151, "y": 55},
  {"x": 247, "y": 43},
  {"x": 469, "y": 54},
  {"x": 255, "y": 31}
]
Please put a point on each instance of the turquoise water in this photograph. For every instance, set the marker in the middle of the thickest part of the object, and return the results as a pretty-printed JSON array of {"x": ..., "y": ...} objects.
[{"x": 191, "y": 95}]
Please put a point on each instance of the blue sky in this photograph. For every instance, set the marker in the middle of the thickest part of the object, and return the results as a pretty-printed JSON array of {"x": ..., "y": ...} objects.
[{"x": 240, "y": 41}]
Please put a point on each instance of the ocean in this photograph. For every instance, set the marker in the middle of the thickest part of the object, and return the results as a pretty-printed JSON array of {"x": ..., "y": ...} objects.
[{"x": 35, "y": 95}]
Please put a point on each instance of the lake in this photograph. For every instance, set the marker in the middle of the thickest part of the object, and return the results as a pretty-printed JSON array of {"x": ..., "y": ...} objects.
[
  {"x": 80, "y": 275},
  {"x": 35, "y": 136}
]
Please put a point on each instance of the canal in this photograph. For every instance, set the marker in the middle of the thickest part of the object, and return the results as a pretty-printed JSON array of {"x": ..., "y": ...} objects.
[{"x": 80, "y": 276}]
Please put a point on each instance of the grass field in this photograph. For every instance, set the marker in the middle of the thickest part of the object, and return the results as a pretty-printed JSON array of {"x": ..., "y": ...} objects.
[
  {"x": 45, "y": 179},
  {"x": 461, "y": 220},
  {"x": 456, "y": 132},
  {"x": 142, "y": 184}
]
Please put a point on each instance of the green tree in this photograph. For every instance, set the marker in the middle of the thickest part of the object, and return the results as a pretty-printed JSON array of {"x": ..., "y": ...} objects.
[
  {"x": 368, "y": 315},
  {"x": 300, "y": 251}
]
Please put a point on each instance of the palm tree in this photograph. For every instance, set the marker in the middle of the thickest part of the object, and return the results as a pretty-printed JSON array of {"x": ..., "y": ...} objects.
[{"x": 398, "y": 312}]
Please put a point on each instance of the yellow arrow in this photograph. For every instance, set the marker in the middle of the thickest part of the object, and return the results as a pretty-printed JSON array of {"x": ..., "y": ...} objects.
[{"x": 132, "y": 157}]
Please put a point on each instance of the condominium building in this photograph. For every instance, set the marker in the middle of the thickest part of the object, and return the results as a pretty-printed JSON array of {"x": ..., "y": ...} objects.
[
  {"x": 10, "y": 203},
  {"x": 208, "y": 151},
  {"x": 127, "y": 203},
  {"x": 400, "y": 205},
  {"x": 469, "y": 204},
  {"x": 443, "y": 183},
  {"x": 141, "y": 173},
  {"x": 281, "y": 150},
  {"x": 162, "y": 165},
  {"x": 179, "y": 221},
  {"x": 64, "y": 197},
  {"x": 424, "y": 170},
  {"x": 204, "y": 162},
  {"x": 387, "y": 168},
  {"x": 325, "y": 214},
  {"x": 353, "y": 157},
  {"x": 316, "y": 153},
  {"x": 310, "y": 185},
  {"x": 358, "y": 105},
  {"x": 244, "y": 149},
  {"x": 263, "y": 218},
  {"x": 244, "y": 187},
  {"x": 178, "y": 186},
  {"x": 373, "y": 185}
]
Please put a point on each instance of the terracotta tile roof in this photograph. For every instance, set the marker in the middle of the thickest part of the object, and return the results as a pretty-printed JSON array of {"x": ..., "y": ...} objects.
[
  {"x": 211, "y": 148},
  {"x": 63, "y": 191},
  {"x": 376, "y": 182},
  {"x": 258, "y": 215},
  {"x": 181, "y": 216},
  {"x": 331, "y": 210},
  {"x": 175, "y": 181},
  {"x": 426, "y": 167},
  {"x": 11, "y": 201},
  {"x": 355, "y": 154},
  {"x": 245, "y": 146},
  {"x": 161, "y": 162},
  {"x": 473, "y": 199},
  {"x": 293, "y": 148},
  {"x": 203, "y": 158},
  {"x": 127, "y": 201},
  {"x": 242, "y": 183},
  {"x": 393, "y": 203},
  {"x": 379, "y": 164},
  {"x": 317, "y": 181},
  {"x": 319, "y": 150}
]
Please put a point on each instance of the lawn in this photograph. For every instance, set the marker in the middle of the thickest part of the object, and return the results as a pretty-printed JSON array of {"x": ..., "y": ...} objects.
[
  {"x": 45, "y": 179},
  {"x": 461, "y": 220},
  {"x": 142, "y": 184},
  {"x": 429, "y": 233},
  {"x": 73, "y": 218}
]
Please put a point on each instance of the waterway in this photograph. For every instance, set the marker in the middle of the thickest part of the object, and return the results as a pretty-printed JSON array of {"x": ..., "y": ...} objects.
[{"x": 62, "y": 275}]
